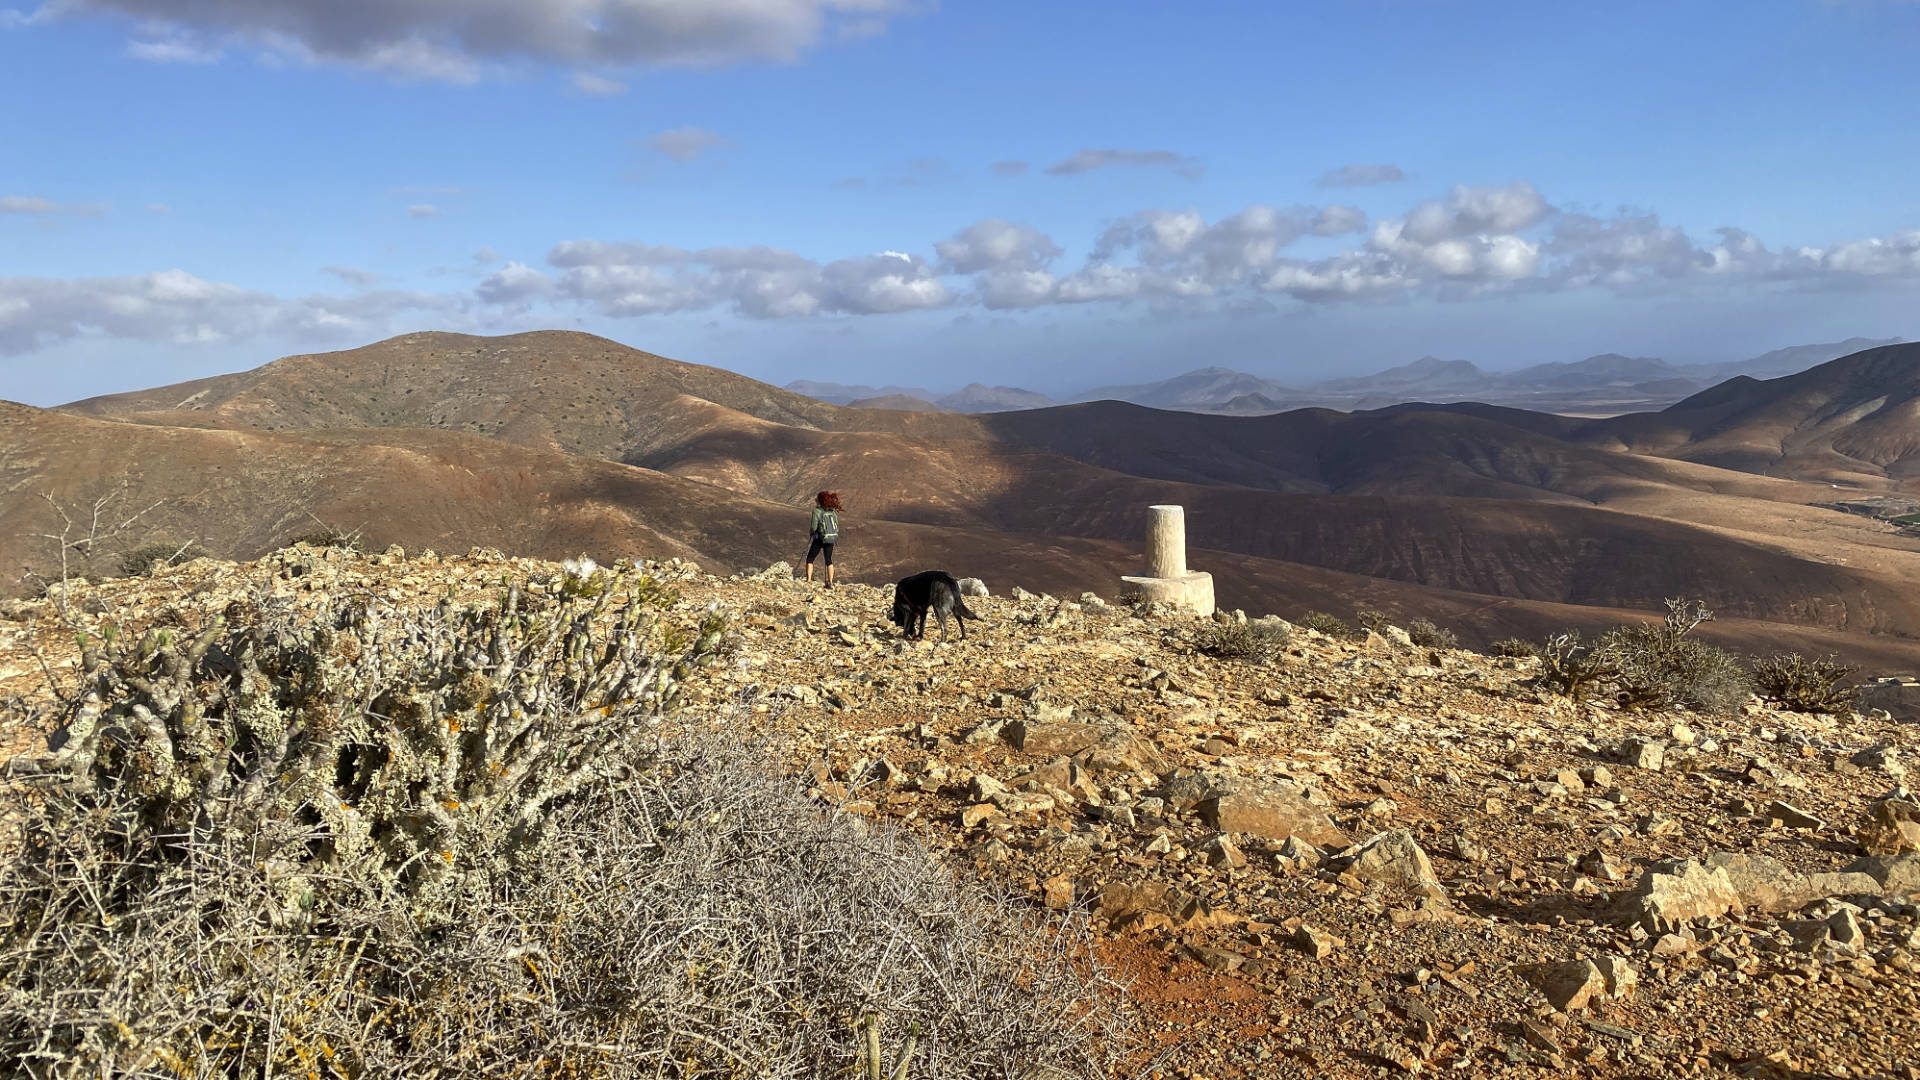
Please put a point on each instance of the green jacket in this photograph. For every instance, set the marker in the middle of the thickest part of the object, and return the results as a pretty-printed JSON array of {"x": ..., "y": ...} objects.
[{"x": 825, "y": 525}]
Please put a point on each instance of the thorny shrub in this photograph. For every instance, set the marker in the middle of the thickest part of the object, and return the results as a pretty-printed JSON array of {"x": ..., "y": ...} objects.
[
  {"x": 1427, "y": 635},
  {"x": 1660, "y": 667},
  {"x": 1804, "y": 684},
  {"x": 1331, "y": 625},
  {"x": 1513, "y": 647},
  {"x": 1648, "y": 667},
  {"x": 454, "y": 843},
  {"x": 1257, "y": 642},
  {"x": 145, "y": 558}
]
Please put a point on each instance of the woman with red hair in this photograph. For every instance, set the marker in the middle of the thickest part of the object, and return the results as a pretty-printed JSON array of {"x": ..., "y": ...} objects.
[{"x": 824, "y": 528}]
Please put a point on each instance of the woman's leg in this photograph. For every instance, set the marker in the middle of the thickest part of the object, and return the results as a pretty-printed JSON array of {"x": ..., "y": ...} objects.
[
  {"x": 828, "y": 550},
  {"x": 813, "y": 549}
]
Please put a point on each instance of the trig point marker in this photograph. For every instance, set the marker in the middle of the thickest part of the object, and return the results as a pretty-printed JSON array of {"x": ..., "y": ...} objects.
[{"x": 1168, "y": 581}]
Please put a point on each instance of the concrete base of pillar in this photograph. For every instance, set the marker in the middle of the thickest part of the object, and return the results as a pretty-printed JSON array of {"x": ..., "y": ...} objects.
[{"x": 1190, "y": 592}]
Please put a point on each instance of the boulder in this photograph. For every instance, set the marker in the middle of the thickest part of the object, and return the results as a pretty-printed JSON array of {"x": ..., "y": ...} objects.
[
  {"x": 1392, "y": 858},
  {"x": 973, "y": 586},
  {"x": 1273, "y": 813},
  {"x": 1050, "y": 738},
  {"x": 1672, "y": 894},
  {"x": 1571, "y": 986},
  {"x": 1764, "y": 884},
  {"x": 1896, "y": 875},
  {"x": 1644, "y": 753},
  {"x": 1892, "y": 828}
]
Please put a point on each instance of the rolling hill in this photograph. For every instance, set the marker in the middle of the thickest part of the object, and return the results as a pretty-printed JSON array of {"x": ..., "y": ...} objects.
[{"x": 561, "y": 442}]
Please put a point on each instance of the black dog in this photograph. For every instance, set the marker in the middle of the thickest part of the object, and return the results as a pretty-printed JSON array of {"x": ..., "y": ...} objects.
[{"x": 929, "y": 590}]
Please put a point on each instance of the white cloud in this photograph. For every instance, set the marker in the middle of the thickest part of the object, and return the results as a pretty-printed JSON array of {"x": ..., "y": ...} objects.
[
  {"x": 1362, "y": 175},
  {"x": 513, "y": 285},
  {"x": 686, "y": 143},
  {"x": 630, "y": 279},
  {"x": 1476, "y": 210},
  {"x": 1337, "y": 220},
  {"x": 33, "y": 204},
  {"x": 1083, "y": 161},
  {"x": 994, "y": 243},
  {"x": 178, "y": 307},
  {"x": 597, "y": 85},
  {"x": 423, "y": 210},
  {"x": 358, "y": 278},
  {"x": 174, "y": 49},
  {"x": 460, "y": 41}
]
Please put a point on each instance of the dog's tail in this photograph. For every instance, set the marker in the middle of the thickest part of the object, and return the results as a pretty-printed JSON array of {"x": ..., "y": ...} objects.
[{"x": 960, "y": 607}]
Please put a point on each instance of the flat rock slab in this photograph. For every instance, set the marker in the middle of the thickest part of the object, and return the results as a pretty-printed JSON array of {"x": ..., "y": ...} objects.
[{"x": 1273, "y": 814}]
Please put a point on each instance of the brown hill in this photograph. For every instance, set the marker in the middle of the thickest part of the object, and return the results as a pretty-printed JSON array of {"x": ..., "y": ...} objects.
[
  {"x": 1467, "y": 500},
  {"x": 1854, "y": 421}
]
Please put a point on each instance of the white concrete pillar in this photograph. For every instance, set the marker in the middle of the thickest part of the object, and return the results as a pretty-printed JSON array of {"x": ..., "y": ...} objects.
[
  {"x": 1166, "y": 541},
  {"x": 1167, "y": 579}
]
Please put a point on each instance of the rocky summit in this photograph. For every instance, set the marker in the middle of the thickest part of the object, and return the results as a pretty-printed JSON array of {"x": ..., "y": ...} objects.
[{"x": 1350, "y": 857}]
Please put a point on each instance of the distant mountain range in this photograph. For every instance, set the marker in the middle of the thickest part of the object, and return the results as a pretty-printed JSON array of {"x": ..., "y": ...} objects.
[
  {"x": 1604, "y": 385},
  {"x": 1489, "y": 519},
  {"x": 972, "y": 398}
]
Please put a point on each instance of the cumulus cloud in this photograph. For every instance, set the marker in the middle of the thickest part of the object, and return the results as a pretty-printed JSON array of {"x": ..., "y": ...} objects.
[
  {"x": 513, "y": 285},
  {"x": 995, "y": 244},
  {"x": 180, "y": 308},
  {"x": 358, "y": 278},
  {"x": 1084, "y": 161},
  {"x": 686, "y": 143},
  {"x": 628, "y": 279},
  {"x": 1337, "y": 220},
  {"x": 597, "y": 85},
  {"x": 1361, "y": 175},
  {"x": 462, "y": 40},
  {"x": 35, "y": 205}
]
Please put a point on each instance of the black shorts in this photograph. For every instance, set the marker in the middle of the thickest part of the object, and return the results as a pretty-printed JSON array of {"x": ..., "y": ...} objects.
[{"x": 819, "y": 546}]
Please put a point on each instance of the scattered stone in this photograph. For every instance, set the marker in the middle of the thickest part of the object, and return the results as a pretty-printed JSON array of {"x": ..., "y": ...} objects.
[
  {"x": 1793, "y": 817},
  {"x": 1620, "y": 977},
  {"x": 1570, "y": 986},
  {"x": 1220, "y": 851},
  {"x": 1057, "y": 892},
  {"x": 1882, "y": 757},
  {"x": 1644, "y": 753},
  {"x": 1392, "y": 858},
  {"x": 1050, "y": 738},
  {"x": 1892, "y": 828},
  {"x": 977, "y": 813},
  {"x": 1897, "y": 875},
  {"x": 1676, "y": 892},
  {"x": 1274, "y": 813},
  {"x": 1315, "y": 942}
]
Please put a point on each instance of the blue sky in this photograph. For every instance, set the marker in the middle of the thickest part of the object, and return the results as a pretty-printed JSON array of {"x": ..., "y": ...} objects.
[{"x": 894, "y": 191}]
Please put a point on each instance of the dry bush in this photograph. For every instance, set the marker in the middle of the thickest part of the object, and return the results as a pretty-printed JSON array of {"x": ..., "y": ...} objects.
[
  {"x": 1331, "y": 625},
  {"x": 1660, "y": 667},
  {"x": 1258, "y": 643},
  {"x": 1570, "y": 667},
  {"x": 449, "y": 843},
  {"x": 1373, "y": 619},
  {"x": 1805, "y": 684},
  {"x": 1513, "y": 647},
  {"x": 147, "y": 557},
  {"x": 1427, "y": 635},
  {"x": 1648, "y": 667}
]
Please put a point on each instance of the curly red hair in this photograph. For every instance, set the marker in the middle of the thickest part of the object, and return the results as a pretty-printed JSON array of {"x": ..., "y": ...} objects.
[{"x": 827, "y": 500}]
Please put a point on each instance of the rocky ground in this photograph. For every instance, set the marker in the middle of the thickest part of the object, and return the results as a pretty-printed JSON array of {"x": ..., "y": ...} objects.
[{"x": 1357, "y": 858}]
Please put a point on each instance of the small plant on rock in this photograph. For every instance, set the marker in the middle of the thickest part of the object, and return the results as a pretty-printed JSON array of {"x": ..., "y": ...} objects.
[
  {"x": 1804, "y": 684},
  {"x": 149, "y": 557}
]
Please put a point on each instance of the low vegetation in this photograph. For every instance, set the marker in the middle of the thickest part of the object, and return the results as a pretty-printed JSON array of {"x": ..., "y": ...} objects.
[
  {"x": 1656, "y": 666},
  {"x": 1251, "y": 641},
  {"x": 1331, "y": 625},
  {"x": 454, "y": 843},
  {"x": 1804, "y": 684},
  {"x": 1424, "y": 633}
]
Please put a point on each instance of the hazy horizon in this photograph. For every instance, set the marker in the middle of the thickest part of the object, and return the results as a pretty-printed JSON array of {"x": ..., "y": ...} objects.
[{"x": 884, "y": 192}]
